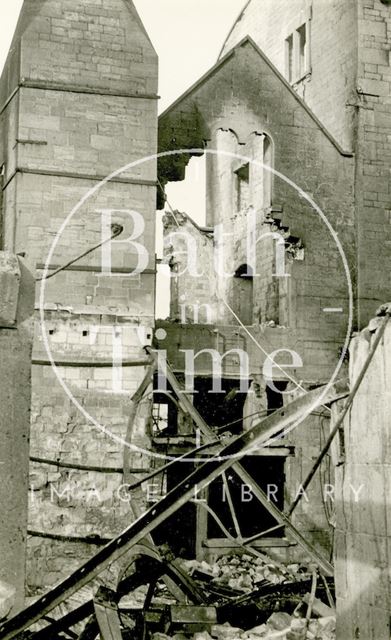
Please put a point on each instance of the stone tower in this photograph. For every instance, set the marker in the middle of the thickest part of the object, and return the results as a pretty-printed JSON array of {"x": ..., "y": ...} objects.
[{"x": 78, "y": 100}]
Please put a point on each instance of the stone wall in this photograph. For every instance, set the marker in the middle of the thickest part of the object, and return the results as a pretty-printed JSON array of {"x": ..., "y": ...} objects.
[
  {"x": 244, "y": 95},
  {"x": 362, "y": 545},
  {"x": 328, "y": 86},
  {"x": 314, "y": 514},
  {"x": 347, "y": 88},
  {"x": 373, "y": 153},
  {"x": 243, "y": 106}
]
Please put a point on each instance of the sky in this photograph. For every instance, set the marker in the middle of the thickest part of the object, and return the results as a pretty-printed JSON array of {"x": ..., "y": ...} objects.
[{"x": 187, "y": 36}]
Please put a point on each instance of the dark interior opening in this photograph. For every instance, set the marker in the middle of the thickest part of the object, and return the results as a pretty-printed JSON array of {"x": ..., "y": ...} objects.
[
  {"x": 220, "y": 409},
  {"x": 179, "y": 530},
  {"x": 268, "y": 473},
  {"x": 275, "y": 399},
  {"x": 168, "y": 427}
]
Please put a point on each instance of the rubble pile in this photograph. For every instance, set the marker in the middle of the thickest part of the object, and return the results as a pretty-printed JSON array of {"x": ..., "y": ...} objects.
[
  {"x": 237, "y": 597},
  {"x": 244, "y": 573},
  {"x": 280, "y": 626},
  {"x": 259, "y": 599}
]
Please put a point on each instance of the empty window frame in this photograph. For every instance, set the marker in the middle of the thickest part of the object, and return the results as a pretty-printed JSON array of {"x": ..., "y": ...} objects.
[
  {"x": 297, "y": 53},
  {"x": 159, "y": 418},
  {"x": 289, "y": 58},
  {"x": 303, "y": 50}
]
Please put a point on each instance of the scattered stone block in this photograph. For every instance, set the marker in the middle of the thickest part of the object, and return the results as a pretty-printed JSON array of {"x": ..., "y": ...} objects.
[
  {"x": 225, "y": 631},
  {"x": 279, "y": 621}
]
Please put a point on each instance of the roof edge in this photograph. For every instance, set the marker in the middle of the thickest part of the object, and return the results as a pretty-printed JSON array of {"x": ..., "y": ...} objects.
[
  {"x": 199, "y": 82},
  {"x": 224, "y": 59},
  {"x": 300, "y": 100},
  {"x": 130, "y": 5},
  {"x": 230, "y": 32}
]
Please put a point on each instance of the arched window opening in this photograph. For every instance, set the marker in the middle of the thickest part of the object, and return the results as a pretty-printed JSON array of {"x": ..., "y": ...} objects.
[
  {"x": 262, "y": 151},
  {"x": 244, "y": 271}
]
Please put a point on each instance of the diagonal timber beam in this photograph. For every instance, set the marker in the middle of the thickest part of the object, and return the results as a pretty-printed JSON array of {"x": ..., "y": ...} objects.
[{"x": 238, "y": 447}]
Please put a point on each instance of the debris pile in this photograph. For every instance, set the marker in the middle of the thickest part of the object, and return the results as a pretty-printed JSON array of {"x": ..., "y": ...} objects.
[
  {"x": 280, "y": 626},
  {"x": 255, "y": 598},
  {"x": 244, "y": 573}
]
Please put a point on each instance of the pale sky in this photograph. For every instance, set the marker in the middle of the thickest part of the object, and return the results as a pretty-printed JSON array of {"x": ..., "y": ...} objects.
[{"x": 187, "y": 36}]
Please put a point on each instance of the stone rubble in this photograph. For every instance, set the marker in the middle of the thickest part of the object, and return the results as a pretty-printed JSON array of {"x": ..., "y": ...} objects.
[
  {"x": 245, "y": 572},
  {"x": 280, "y": 626}
]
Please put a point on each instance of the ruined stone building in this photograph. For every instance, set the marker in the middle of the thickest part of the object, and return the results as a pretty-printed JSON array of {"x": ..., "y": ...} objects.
[
  {"x": 294, "y": 121},
  {"x": 302, "y": 89}
]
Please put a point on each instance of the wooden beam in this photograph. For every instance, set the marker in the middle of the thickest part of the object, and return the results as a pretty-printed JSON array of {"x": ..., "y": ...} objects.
[{"x": 107, "y": 615}]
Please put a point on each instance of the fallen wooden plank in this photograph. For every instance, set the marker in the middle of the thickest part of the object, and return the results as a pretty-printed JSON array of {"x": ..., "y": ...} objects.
[
  {"x": 107, "y": 615},
  {"x": 294, "y": 533},
  {"x": 318, "y": 607}
]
